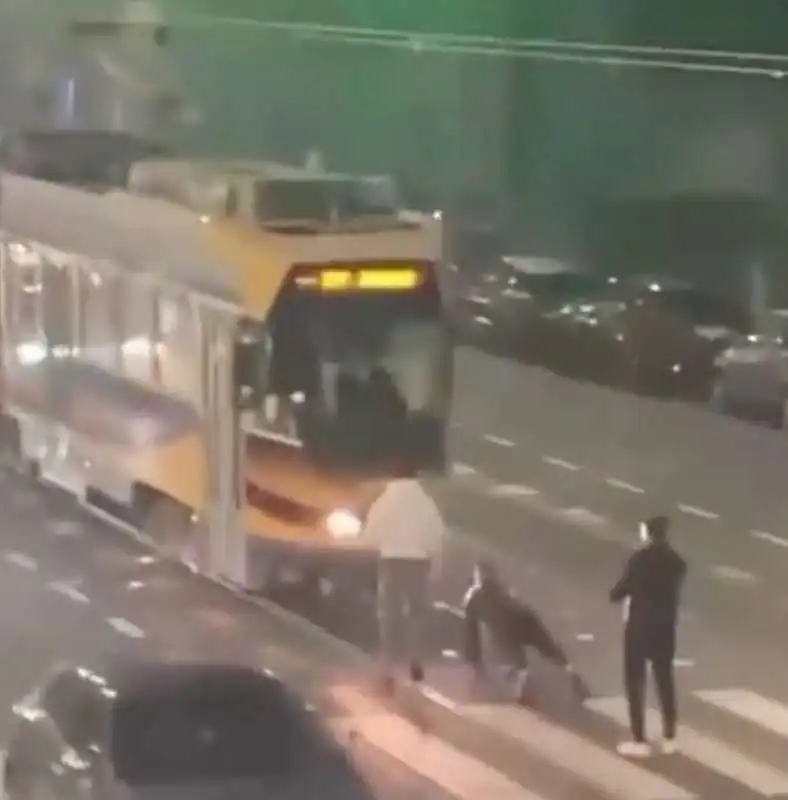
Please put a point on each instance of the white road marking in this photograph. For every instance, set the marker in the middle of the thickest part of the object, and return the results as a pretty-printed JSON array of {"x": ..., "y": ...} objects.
[
  {"x": 439, "y": 699},
  {"x": 733, "y": 574},
  {"x": 624, "y": 486},
  {"x": 20, "y": 560},
  {"x": 584, "y": 637},
  {"x": 706, "y": 750},
  {"x": 761, "y": 711},
  {"x": 559, "y": 462},
  {"x": 455, "y": 772},
  {"x": 126, "y": 628},
  {"x": 583, "y": 515},
  {"x": 765, "y": 536},
  {"x": 683, "y": 663},
  {"x": 500, "y": 441},
  {"x": 513, "y": 490},
  {"x": 558, "y": 745},
  {"x": 68, "y": 590},
  {"x": 696, "y": 511},
  {"x": 65, "y": 527},
  {"x": 461, "y": 469}
]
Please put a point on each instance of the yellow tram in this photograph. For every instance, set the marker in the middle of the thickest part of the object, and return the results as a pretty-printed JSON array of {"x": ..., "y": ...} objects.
[{"x": 103, "y": 370}]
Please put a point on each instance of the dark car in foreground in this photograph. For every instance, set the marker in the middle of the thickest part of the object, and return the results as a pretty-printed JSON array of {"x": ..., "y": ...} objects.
[
  {"x": 651, "y": 335},
  {"x": 160, "y": 730}
]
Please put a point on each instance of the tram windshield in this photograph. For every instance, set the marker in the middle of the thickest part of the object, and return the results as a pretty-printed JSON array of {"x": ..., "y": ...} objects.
[
  {"x": 360, "y": 370},
  {"x": 323, "y": 200}
]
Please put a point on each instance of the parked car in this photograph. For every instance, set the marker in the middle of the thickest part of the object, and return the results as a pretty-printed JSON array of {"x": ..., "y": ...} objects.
[
  {"x": 472, "y": 248},
  {"x": 644, "y": 334},
  {"x": 502, "y": 307},
  {"x": 154, "y": 729},
  {"x": 752, "y": 375}
]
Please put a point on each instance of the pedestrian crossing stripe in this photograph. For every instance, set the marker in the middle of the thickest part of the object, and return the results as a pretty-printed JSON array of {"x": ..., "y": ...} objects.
[
  {"x": 593, "y": 763},
  {"x": 462, "y": 776},
  {"x": 700, "y": 747},
  {"x": 705, "y": 750},
  {"x": 750, "y": 706},
  {"x": 458, "y": 774}
]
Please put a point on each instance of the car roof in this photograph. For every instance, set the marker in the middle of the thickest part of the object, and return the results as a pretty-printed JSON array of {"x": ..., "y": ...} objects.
[
  {"x": 659, "y": 283},
  {"x": 539, "y": 265},
  {"x": 128, "y": 676}
]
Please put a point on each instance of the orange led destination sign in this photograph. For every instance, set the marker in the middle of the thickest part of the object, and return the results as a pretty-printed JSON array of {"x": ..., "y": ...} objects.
[{"x": 337, "y": 279}]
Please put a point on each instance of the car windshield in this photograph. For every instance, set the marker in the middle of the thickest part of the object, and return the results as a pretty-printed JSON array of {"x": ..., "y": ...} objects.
[
  {"x": 202, "y": 730},
  {"x": 563, "y": 287},
  {"x": 702, "y": 309}
]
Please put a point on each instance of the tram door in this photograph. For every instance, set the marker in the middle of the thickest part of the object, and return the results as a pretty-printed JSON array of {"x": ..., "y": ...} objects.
[
  {"x": 223, "y": 551},
  {"x": 61, "y": 463}
]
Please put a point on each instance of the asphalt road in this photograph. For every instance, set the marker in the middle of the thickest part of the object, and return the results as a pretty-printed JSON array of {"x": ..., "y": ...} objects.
[
  {"x": 555, "y": 475},
  {"x": 621, "y": 456},
  {"x": 550, "y": 480},
  {"x": 584, "y": 442},
  {"x": 73, "y": 590},
  {"x": 561, "y": 526}
]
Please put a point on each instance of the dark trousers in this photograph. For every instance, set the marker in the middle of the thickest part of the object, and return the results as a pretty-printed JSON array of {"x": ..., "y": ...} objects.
[{"x": 636, "y": 658}]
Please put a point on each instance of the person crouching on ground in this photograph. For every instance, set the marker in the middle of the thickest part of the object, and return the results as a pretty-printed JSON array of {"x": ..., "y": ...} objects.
[{"x": 499, "y": 624}]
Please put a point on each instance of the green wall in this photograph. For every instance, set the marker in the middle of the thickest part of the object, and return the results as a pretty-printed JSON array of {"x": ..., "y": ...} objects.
[
  {"x": 367, "y": 102},
  {"x": 472, "y": 17},
  {"x": 477, "y": 123},
  {"x": 757, "y": 25},
  {"x": 494, "y": 124}
]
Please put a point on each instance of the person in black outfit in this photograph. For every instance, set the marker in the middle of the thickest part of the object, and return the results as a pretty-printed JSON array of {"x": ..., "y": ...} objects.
[
  {"x": 651, "y": 588},
  {"x": 512, "y": 626}
]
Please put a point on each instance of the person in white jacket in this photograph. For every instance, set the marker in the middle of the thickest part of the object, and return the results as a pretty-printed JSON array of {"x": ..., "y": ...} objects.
[{"x": 406, "y": 527}]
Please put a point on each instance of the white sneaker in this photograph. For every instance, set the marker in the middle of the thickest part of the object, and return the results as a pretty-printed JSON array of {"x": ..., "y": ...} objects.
[
  {"x": 632, "y": 749},
  {"x": 669, "y": 747}
]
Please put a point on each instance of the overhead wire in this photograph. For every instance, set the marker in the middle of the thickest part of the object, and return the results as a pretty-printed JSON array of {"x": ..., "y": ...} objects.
[{"x": 752, "y": 64}]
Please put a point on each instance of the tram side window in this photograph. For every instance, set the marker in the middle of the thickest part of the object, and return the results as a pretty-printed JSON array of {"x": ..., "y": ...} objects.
[
  {"x": 22, "y": 279},
  {"x": 57, "y": 309},
  {"x": 179, "y": 351},
  {"x": 103, "y": 313},
  {"x": 140, "y": 343}
]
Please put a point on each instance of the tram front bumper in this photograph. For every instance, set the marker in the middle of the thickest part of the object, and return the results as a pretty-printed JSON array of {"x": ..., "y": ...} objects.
[{"x": 342, "y": 567}]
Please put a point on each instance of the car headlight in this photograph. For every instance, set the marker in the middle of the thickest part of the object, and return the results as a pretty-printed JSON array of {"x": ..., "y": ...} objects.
[{"x": 343, "y": 524}]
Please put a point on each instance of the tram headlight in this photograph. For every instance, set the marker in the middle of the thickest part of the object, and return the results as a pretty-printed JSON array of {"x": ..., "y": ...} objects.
[
  {"x": 31, "y": 353},
  {"x": 341, "y": 523}
]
